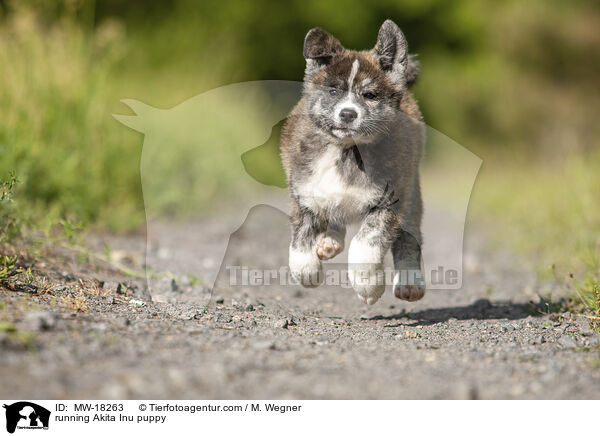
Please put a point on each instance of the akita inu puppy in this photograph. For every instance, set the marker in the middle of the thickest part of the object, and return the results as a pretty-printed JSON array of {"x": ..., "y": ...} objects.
[{"x": 351, "y": 150}]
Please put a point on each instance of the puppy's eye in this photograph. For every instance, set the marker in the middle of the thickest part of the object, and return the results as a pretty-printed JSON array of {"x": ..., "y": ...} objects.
[
  {"x": 370, "y": 95},
  {"x": 334, "y": 91}
]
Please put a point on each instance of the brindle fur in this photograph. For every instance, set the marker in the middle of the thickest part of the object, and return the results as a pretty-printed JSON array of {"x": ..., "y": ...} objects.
[{"x": 378, "y": 164}]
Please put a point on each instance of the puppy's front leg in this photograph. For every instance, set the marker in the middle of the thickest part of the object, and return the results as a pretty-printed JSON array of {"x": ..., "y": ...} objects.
[
  {"x": 305, "y": 264},
  {"x": 366, "y": 253},
  {"x": 409, "y": 283}
]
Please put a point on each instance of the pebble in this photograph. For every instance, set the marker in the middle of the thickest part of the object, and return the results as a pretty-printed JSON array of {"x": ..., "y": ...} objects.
[
  {"x": 125, "y": 322},
  {"x": 67, "y": 276},
  {"x": 223, "y": 318},
  {"x": 186, "y": 315},
  {"x": 220, "y": 300},
  {"x": 284, "y": 323},
  {"x": 264, "y": 345},
  {"x": 39, "y": 321},
  {"x": 587, "y": 332},
  {"x": 567, "y": 342},
  {"x": 538, "y": 340}
]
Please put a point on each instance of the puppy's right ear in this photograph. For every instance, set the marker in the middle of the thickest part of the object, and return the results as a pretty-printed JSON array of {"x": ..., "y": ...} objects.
[{"x": 319, "y": 49}]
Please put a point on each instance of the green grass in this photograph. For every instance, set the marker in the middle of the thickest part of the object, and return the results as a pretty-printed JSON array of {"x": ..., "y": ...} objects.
[
  {"x": 16, "y": 338},
  {"x": 59, "y": 85},
  {"x": 56, "y": 131},
  {"x": 549, "y": 213},
  {"x": 8, "y": 267}
]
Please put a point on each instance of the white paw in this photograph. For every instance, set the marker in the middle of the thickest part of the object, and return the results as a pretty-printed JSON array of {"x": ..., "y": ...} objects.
[
  {"x": 328, "y": 247},
  {"x": 410, "y": 287},
  {"x": 365, "y": 271},
  {"x": 305, "y": 267}
]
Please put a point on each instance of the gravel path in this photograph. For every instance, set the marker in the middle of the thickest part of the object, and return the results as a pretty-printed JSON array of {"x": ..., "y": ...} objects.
[{"x": 483, "y": 341}]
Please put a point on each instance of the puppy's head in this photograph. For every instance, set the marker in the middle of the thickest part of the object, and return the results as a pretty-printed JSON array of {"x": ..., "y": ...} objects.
[{"x": 353, "y": 94}]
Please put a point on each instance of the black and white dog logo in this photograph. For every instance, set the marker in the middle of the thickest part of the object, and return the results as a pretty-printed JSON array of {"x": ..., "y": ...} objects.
[{"x": 26, "y": 415}]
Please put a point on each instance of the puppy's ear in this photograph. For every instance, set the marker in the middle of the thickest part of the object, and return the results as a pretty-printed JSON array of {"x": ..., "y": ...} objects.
[
  {"x": 412, "y": 70},
  {"x": 320, "y": 48},
  {"x": 392, "y": 52}
]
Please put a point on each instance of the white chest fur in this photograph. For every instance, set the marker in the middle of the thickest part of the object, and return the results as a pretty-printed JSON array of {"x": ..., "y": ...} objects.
[{"x": 325, "y": 188}]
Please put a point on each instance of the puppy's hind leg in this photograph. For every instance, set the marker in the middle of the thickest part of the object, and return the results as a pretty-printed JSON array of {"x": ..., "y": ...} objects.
[{"x": 331, "y": 243}]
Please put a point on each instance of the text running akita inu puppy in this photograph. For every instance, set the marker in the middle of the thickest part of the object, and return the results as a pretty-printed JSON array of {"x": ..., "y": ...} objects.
[{"x": 351, "y": 150}]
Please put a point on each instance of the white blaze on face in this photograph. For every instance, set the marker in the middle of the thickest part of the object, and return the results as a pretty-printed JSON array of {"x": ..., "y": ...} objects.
[
  {"x": 353, "y": 72},
  {"x": 348, "y": 102}
]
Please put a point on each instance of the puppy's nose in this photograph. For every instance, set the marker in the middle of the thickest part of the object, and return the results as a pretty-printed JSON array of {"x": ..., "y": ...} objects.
[{"x": 348, "y": 115}]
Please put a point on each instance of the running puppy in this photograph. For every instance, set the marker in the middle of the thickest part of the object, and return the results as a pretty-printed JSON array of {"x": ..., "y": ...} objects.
[{"x": 351, "y": 150}]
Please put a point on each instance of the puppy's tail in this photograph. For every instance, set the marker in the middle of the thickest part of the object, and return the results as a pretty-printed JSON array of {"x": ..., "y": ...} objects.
[{"x": 412, "y": 70}]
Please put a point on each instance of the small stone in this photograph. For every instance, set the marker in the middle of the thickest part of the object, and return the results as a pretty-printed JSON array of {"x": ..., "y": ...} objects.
[
  {"x": 223, "y": 318},
  {"x": 282, "y": 324},
  {"x": 125, "y": 322},
  {"x": 538, "y": 340},
  {"x": 298, "y": 315},
  {"x": 285, "y": 323},
  {"x": 567, "y": 342},
  {"x": 220, "y": 300},
  {"x": 587, "y": 332},
  {"x": 186, "y": 315},
  {"x": 249, "y": 308},
  {"x": 39, "y": 321},
  {"x": 264, "y": 345},
  {"x": 67, "y": 276}
]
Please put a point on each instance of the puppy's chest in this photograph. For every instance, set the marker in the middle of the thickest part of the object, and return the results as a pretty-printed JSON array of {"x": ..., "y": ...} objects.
[{"x": 337, "y": 184}]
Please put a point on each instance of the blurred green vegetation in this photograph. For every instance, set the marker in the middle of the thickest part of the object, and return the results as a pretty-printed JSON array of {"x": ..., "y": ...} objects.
[
  {"x": 508, "y": 79},
  {"x": 550, "y": 214},
  {"x": 515, "y": 82}
]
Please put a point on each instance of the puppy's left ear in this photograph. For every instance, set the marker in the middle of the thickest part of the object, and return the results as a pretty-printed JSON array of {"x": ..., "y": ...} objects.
[{"x": 392, "y": 52}]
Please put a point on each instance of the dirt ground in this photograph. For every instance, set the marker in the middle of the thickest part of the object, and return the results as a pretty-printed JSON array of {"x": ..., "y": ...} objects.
[{"x": 86, "y": 330}]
